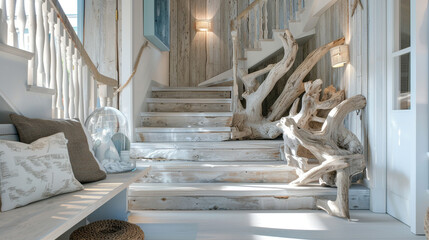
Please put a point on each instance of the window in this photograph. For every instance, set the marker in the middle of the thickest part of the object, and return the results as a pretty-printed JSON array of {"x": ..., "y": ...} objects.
[
  {"x": 401, "y": 55},
  {"x": 74, "y": 10}
]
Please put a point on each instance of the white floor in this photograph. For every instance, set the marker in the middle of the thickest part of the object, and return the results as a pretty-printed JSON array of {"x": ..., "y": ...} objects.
[{"x": 267, "y": 225}]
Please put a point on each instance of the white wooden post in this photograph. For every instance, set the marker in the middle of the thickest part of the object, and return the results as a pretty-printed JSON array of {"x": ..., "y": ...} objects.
[
  {"x": 70, "y": 84},
  {"x": 59, "y": 67},
  {"x": 74, "y": 96},
  {"x": 53, "y": 73},
  {"x": 31, "y": 25},
  {"x": 64, "y": 43},
  {"x": 46, "y": 47},
  {"x": 21, "y": 20},
  {"x": 277, "y": 14},
  {"x": 40, "y": 43},
  {"x": 261, "y": 19},
  {"x": 80, "y": 89},
  {"x": 86, "y": 87},
  {"x": 3, "y": 22},
  {"x": 12, "y": 37}
]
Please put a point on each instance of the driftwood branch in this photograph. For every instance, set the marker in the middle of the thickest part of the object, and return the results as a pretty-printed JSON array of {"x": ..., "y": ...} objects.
[
  {"x": 294, "y": 86},
  {"x": 337, "y": 149}
]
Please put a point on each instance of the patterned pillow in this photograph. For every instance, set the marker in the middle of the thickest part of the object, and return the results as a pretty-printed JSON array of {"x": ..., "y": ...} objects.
[{"x": 32, "y": 172}]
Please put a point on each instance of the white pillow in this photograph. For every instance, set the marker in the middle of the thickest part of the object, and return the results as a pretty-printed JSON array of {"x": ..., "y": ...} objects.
[{"x": 32, "y": 172}]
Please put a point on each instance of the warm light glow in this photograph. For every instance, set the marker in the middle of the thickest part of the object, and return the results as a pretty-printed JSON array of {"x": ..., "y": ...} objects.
[
  {"x": 339, "y": 56},
  {"x": 202, "y": 25}
]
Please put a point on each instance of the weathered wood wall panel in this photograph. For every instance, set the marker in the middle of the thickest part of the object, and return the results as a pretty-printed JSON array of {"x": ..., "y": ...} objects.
[
  {"x": 198, "y": 56},
  {"x": 100, "y": 35}
]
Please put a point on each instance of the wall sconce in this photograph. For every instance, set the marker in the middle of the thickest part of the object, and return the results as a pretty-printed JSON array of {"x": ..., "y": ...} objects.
[
  {"x": 339, "y": 55},
  {"x": 202, "y": 25}
]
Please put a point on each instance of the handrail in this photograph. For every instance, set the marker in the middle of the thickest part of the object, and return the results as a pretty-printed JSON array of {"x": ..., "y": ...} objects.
[{"x": 79, "y": 46}]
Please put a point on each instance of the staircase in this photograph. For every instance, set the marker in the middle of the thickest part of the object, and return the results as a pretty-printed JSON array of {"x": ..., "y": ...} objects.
[{"x": 184, "y": 138}]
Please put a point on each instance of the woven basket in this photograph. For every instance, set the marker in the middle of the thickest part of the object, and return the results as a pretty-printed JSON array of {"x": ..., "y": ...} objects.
[
  {"x": 427, "y": 224},
  {"x": 108, "y": 230}
]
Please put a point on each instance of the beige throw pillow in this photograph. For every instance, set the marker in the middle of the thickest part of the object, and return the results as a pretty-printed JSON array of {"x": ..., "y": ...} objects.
[
  {"x": 85, "y": 166},
  {"x": 32, "y": 172}
]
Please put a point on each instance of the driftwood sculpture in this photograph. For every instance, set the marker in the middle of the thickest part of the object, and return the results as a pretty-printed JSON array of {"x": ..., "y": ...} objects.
[
  {"x": 249, "y": 122},
  {"x": 339, "y": 152}
]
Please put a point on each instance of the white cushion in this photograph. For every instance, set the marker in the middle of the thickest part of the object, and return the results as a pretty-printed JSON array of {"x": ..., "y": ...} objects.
[{"x": 32, "y": 172}]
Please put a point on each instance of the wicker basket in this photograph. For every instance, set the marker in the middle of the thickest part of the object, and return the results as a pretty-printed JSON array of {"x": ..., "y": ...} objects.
[{"x": 108, "y": 230}]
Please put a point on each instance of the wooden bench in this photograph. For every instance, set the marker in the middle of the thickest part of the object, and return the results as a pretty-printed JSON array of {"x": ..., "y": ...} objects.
[{"x": 58, "y": 216}]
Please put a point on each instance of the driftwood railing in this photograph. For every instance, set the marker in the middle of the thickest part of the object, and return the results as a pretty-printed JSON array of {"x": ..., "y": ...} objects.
[
  {"x": 253, "y": 24},
  {"x": 60, "y": 62}
]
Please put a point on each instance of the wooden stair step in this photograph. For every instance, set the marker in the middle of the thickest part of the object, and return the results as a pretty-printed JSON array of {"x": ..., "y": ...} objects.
[
  {"x": 192, "y": 89},
  {"x": 189, "y": 104},
  {"x": 198, "y": 172},
  {"x": 246, "y": 151},
  {"x": 236, "y": 196},
  {"x": 166, "y": 134},
  {"x": 186, "y": 119},
  {"x": 192, "y": 92}
]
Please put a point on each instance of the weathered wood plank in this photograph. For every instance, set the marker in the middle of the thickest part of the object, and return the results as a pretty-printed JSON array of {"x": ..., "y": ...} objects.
[
  {"x": 214, "y": 39},
  {"x": 198, "y": 43},
  {"x": 191, "y": 94},
  {"x": 190, "y": 137},
  {"x": 189, "y": 107},
  {"x": 183, "y": 42},
  {"x": 173, "y": 43},
  {"x": 236, "y": 203},
  {"x": 186, "y": 121}
]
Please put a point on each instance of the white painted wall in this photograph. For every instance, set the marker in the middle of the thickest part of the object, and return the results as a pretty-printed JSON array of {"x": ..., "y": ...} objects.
[
  {"x": 153, "y": 67},
  {"x": 13, "y": 90}
]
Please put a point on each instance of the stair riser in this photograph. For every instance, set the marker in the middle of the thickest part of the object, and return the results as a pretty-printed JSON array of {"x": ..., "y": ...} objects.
[
  {"x": 216, "y": 176},
  {"x": 190, "y": 94},
  {"x": 203, "y": 155},
  {"x": 237, "y": 203},
  {"x": 191, "y": 121},
  {"x": 189, "y": 107},
  {"x": 184, "y": 137}
]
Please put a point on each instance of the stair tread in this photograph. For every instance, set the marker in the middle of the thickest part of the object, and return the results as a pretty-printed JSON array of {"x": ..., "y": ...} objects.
[
  {"x": 227, "y": 166},
  {"x": 181, "y": 130},
  {"x": 252, "y": 144},
  {"x": 192, "y": 89},
  {"x": 187, "y": 114},
  {"x": 188, "y": 100},
  {"x": 236, "y": 189}
]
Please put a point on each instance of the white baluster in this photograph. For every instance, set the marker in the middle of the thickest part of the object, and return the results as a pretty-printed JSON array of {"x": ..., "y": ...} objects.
[
  {"x": 46, "y": 47},
  {"x": 12, "y": 36},
  {"x": 70, "y": 78},
  {"x": 65, "y": 84},
  {"x": 81, "y": 114},
  {"x": 255, "y": 40},
  {"x": 265, "y": 19},
  {"x": 285, "y": 20},
  {"x": 86, "y": 90},
  {"x": 94, "y": 91},
  {"x": 59, "y": 67},
  {"x": 277, "y": 14},
  {"x": 75, "y": 86},
  {"x": 53, "y": 71},
  {"x": 40, "y": 43},
  {"x": 21, "y": 19},
  {"x": 3, "y": 22},
  {"x": 31, "y": 25}
]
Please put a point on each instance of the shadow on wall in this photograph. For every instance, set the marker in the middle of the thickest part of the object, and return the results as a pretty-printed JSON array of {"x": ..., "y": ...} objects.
[{"x": 5, "y": 110}]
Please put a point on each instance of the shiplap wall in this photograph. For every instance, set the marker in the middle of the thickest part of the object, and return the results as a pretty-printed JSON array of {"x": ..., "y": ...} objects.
[{"x": 198, "y": 56}]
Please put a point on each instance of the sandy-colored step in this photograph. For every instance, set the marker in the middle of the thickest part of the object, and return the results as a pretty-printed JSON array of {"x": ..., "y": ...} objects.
[
  {"x": 186, "y": 119},
  {"x": 206, "y": 172},
  {"x": 235, "y": 196},
  {"x": 246, "y": 151},
  {"x": 189, "y": 104}
]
